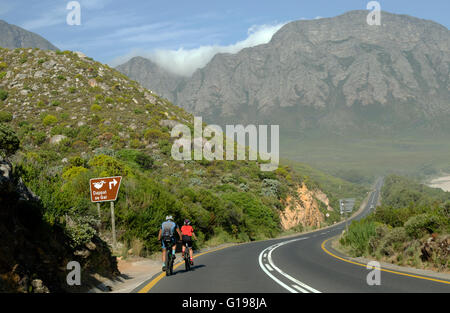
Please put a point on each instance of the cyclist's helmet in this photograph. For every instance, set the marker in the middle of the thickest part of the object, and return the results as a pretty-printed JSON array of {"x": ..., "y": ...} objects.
[
  {"x": 169, "y": 218},
  {"x": 187, "y": 222}
]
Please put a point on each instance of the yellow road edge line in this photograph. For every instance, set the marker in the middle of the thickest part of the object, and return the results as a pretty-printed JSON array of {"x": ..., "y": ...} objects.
[
  {"x": 382, "y": 269},
  {"x": 151, "y": 284}
]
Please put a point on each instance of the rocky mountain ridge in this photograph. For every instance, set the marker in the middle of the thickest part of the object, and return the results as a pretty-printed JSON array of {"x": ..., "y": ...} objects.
[
  {"x": 336, "y": 74},
  {"x": 12, "y": 37}
]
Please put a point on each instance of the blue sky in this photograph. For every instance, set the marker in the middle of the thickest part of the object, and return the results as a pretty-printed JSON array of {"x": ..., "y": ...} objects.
[{"x": 113, "y": 30}]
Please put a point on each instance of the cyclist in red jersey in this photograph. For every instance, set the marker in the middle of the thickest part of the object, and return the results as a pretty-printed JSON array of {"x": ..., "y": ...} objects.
[{"x": 187, "y": 233}]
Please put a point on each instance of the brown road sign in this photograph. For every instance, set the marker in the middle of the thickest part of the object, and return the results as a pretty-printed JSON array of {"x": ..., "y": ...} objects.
[{"x": 105, "y": 189}]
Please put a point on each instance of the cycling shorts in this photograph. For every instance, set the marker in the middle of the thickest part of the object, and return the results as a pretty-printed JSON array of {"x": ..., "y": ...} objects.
[
  {"x": 187, "y": 240},
  {"x": 168, "y": 241}
]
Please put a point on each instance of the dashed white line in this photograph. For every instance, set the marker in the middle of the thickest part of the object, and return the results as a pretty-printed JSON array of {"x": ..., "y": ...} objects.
[
  {"x": 304, "y": 287},
  {"x": 300, "y": 289}
]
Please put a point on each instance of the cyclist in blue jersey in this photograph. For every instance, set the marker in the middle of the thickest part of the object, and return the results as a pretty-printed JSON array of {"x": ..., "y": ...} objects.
[{"x": 167, "y": 234}]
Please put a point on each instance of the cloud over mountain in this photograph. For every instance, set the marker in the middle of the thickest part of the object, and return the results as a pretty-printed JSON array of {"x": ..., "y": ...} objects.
[{"x": 184, "y": 62}]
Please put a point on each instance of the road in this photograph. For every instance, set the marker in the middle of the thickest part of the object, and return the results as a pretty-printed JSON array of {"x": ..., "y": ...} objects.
[{"x": 297, "y": 264}]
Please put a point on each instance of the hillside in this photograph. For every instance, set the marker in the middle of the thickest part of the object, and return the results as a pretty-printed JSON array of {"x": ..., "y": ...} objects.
[
  {"x": 348, "y": 95},
  {"x": 411, "y": 227},
  {"x": 78, "y": 119},
  {"x": 34, "y": 253},
  {"x": 151, "y": 76},
  {"x": 16, "y": 37}
]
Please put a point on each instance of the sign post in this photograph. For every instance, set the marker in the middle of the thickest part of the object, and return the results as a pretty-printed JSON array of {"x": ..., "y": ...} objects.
[
  {"x": 346, "y": 206},
  {"x": 106, "y": 189}
]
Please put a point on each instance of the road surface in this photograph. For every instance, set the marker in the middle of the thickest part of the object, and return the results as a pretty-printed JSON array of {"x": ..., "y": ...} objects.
[{"x": 304, "y": 263}]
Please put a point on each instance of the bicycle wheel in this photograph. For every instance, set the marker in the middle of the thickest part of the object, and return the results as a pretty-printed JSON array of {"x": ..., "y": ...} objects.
[
  {"x": 187, "y": 264},
  {"x": 171, "y": 267},
  {"x": 168, "y": 263}
]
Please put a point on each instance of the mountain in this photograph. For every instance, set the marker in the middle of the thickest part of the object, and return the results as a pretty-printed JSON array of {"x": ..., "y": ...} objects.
[
  {"x": 343, "y": 92},
  {"x": 12, "y": 36},
  {"x": 152, "y": 76},
  {"x": 79, "y": 119},
  {"x": 335, "y": 74}
]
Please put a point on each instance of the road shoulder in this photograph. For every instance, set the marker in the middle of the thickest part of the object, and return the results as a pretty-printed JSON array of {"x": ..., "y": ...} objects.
[{"x": 333, "y": 246}]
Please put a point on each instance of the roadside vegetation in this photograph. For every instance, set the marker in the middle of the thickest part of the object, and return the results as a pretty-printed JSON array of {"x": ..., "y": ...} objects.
[
  {"x": 78, "y": 119},
  {"x": 411, "y": 227}
]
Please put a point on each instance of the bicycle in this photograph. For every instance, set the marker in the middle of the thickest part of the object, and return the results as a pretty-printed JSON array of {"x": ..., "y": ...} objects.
[
  {"x": 187, "y": 258},
  {"x": 169, "y": 257}
]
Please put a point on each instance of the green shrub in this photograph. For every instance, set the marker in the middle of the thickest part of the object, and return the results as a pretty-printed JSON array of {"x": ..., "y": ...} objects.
[
  {"x": 73, "y": 172},
  {"x": 49, "y": 120},
  {"x": 81, "y": 229},
  {"x": 3, "y": 94},
  {"x": 5, "y": 117},
  {"x": 392, "y": 241},
  {"x": 3, "y": 65},
  {"x": 143, "y": 160},
  {"x": 9, "y": 142},
  {"x": 109, "y": 166},
  {"x": 358, "y": 236},
  {"x": 95, "y": 108},
  {"x": 2, "y": 74},
  {"x": 39, "y": 137},
  {"x": 165, "y": 146},
  {"x": 136, "y": 144},
  {"x": 421, "y": 224}
]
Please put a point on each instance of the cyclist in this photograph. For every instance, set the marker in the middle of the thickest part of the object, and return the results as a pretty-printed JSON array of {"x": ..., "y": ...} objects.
[
  {"x": 167, "y": 234},
  {"x": 188, "y": 233}
]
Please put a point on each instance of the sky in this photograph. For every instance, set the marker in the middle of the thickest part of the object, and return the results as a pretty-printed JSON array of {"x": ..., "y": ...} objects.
[{"x": 182, "y": 36}]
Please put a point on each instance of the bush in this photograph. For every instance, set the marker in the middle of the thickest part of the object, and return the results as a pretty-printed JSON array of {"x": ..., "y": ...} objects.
[
  {"x": 80, "y": 229},
  {"x": 39, "y": 138},
  {"x": 109, "y": 166},
  {"x": 152, "y": 134},
  {"x": 392, "y": 241},
  {"x": 96, "y": 108},
  {"x": 134, "y": 156},
  {"x": 73, "y": 172},
  {"x": 9, "y": 142},
  {"x": 5, "y": 117},
  {"x": 358, "y": 236},
  {"x": 3, "y": 94},
  {"x": 49, "y": 120},
  {"x": 420, "y": 224},
  {"x": 144, "y": 161}
]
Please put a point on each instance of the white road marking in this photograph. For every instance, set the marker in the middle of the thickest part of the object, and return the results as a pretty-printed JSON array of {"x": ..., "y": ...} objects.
[
  {"x": 300, "y": 288},
  {"x": 273, "y": 277},
  {"x": 269, "y": 268},
  {"x": 270, "y": 249}
]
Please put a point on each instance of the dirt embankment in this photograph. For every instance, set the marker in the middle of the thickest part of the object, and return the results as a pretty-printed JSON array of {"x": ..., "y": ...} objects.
[{"x": 303, "y": 208}]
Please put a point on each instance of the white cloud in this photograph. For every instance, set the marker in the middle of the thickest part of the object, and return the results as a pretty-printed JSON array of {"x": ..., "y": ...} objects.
[
  {"x": 185, "y": 61},
  {"x": 51, "y": 17}
]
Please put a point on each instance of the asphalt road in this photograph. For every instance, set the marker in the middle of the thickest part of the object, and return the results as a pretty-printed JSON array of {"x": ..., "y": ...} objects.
[{"x": 296, "y": 264}]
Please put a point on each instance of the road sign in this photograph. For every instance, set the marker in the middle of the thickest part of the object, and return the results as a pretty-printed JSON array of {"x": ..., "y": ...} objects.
[
  {"x": 346, "y": 205},
  {"x": 105, "y": 188}
]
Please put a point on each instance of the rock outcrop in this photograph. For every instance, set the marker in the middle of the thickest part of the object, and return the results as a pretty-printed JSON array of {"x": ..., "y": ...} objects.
[{"x": 303, "y": 208}]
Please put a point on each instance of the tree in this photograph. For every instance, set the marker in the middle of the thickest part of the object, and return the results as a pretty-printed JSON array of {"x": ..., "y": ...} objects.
[{"x": 9, "y": 142}]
